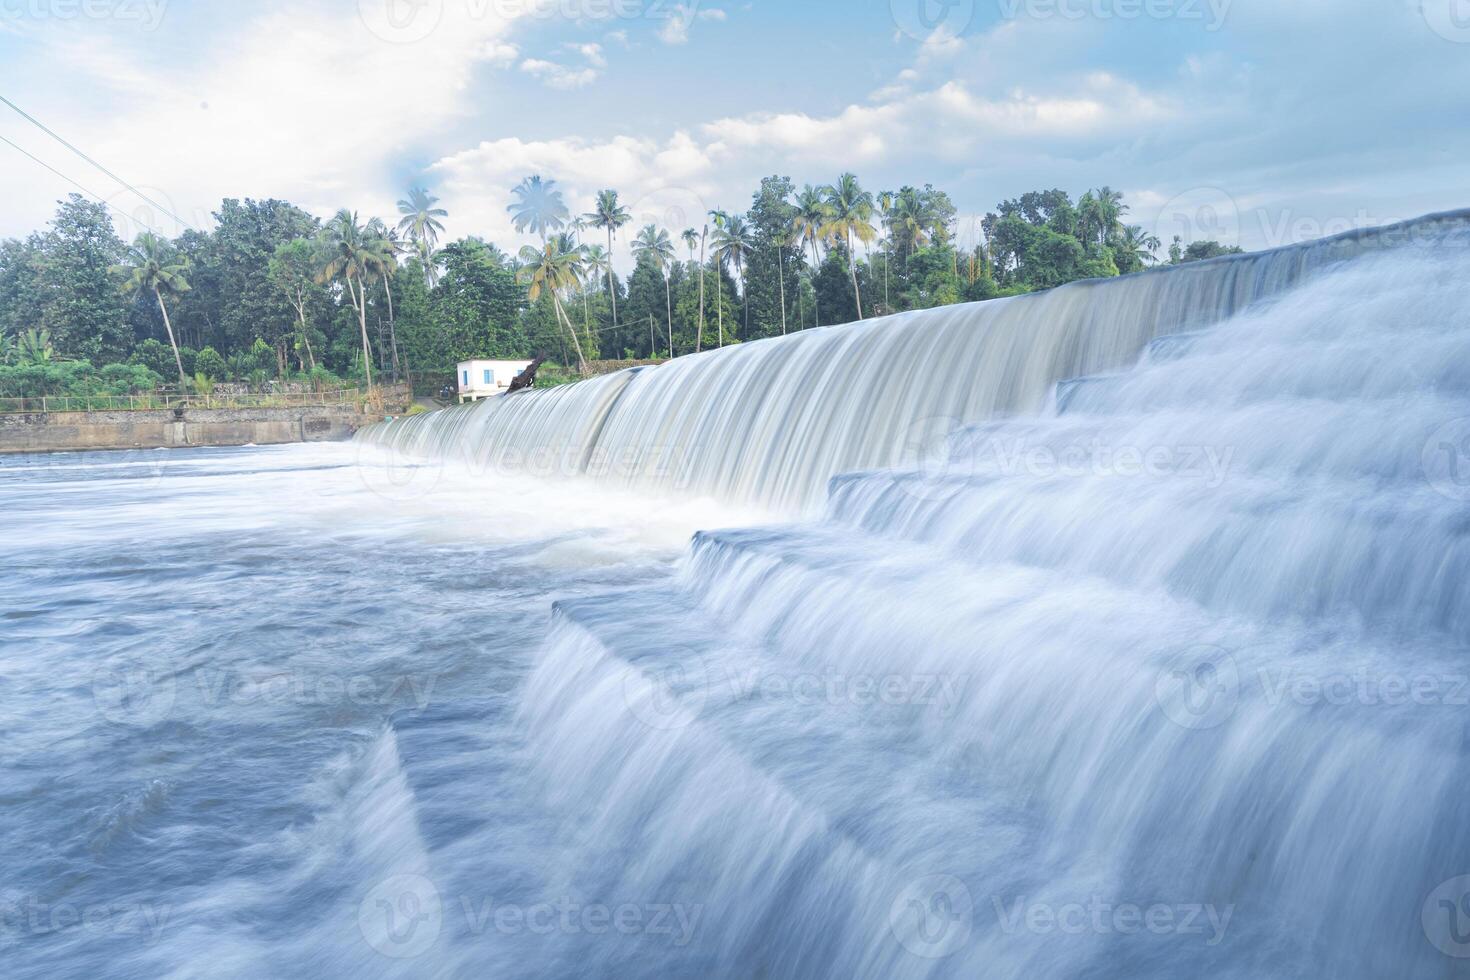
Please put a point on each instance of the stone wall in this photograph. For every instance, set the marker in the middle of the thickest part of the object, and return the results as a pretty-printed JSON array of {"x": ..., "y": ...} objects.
[{"x": 57, "y": 431}]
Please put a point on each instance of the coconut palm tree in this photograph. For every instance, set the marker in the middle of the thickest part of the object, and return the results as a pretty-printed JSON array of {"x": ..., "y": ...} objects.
[
  {"x": 780, "y": 238},
  {"x": 538, "y": 207},
  {"x": 911, "y": 222},
  {"x": 807, "y": 225},
  {"x": 719, "y": 219},
  {"x": 734, "y": 244},
  {"x": 151, "y": 267},
  {"x": 1111, "y": 209},
  {"x": 610, "y": 215},
  {"x": 1135, "y": 249},
  {"x": 595, "y": 264},
  {"x": 386, "y": 241},
  {"x": 850, "y": 215},
  {"x": 811, "y": 217},
  {"x": 703, "y": 244},
  {"x": 550, "y": 269},
  {"x": 352, "y": 254},
  {"x": 420, "y": 222},
  {"x": 653, "y": 244}
]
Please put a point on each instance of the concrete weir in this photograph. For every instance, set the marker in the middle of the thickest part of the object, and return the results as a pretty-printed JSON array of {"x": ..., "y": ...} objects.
[{"x": 177, "y": 428}]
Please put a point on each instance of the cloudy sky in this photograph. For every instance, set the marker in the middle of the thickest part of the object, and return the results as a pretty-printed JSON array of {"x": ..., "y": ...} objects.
[{"x": 1254, "y": 121}]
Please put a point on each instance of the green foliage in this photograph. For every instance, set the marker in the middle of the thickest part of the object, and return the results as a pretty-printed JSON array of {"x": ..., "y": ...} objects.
[
  {"x": 75, "y": 379},
  {"x": 79, "y": 299},
  {"x": 1197, "y": 251},
  {"x": 211, "y": 365},
  {"x": 268, "y": 289}
]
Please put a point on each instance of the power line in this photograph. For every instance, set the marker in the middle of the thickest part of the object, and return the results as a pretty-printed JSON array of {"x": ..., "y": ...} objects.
[
  {"x": 79, "y": 187},
  {"x": 42, "y": 126}
]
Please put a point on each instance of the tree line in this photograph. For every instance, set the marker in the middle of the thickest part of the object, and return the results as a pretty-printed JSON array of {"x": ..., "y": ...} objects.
[{"x": 272, "y": 292}]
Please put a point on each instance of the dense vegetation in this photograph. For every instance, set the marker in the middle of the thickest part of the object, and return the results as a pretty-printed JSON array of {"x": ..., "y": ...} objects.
[{"x": 273, "y": 292}]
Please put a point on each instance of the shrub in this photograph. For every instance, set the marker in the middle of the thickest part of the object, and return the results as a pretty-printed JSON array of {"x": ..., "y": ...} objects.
[{"x": 208, "y": 363}]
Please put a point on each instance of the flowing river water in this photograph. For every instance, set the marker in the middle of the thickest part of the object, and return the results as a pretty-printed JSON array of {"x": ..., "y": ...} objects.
[{"x": 1118, "y": 631}]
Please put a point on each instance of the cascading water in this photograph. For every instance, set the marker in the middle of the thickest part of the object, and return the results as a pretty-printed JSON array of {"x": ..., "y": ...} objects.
[
  {"x": 770, "y": 422},
  {"x": 1118, "y": 631},
  {"x": 1163, "y": 676}
]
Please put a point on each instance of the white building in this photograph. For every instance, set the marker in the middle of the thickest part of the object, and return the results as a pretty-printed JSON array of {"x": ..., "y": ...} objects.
[{"x": 486, "y": 379}]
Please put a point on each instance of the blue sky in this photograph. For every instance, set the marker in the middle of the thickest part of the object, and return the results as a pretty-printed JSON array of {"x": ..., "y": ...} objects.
[{"x": 1254, "y": 121}]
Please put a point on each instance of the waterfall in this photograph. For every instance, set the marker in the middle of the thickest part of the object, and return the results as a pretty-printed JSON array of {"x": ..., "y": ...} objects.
[
  {"x": 771, "y": 421},
  {"x": 1154, "y": 664}
]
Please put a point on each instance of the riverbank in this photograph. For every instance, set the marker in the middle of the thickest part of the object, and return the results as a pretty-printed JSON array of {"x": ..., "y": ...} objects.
[{"x": 35, "y": 432}]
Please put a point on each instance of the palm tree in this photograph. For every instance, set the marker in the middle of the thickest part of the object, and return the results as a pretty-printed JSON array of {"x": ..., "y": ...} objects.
[
  {"x": 850, "y": 214},
  {"x": 690, "y": 238},
  {"x": 807, "y": 225},
  {"x": 538, "y": 207},
  {"x": 1135, "y": 249},
  {"x": 719, "y": 219},
  {"x": 653, "y": 244},
  {"x": 734, "y": 244},
  {"x": 352, "y": 255},
  {"x": 911, "y": 222},
  {"x": 386, "y": 242},
  {"x": 595, "y": 264},
  {"x": 780, "y": 239},
  {"x": 150, "y": 266},
  {"x": 703, "y": 242},
  {"x": 421, "y": 224},
  {"x": 551, "y": 269},
  {"x": 610, "y": 215},
  {"x": 811, "y": 217},
  {"x": 1110, "y": 209}
]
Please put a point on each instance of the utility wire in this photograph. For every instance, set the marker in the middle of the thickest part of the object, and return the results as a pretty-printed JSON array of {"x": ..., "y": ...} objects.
[
  {"x": 42, "y": 126},
  {"x": 79, "y": 187}
]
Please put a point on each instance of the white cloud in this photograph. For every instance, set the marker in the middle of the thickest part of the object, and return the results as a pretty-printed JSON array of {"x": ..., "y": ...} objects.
[
  {"x": 298, "y": 103},
  {"x": 557, "y": 75},
  {"x": 592, "y": 52}
]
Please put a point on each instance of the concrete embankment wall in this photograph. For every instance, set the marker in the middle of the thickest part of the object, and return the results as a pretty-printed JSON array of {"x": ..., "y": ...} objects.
[{"x": 58, "y": 431}]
